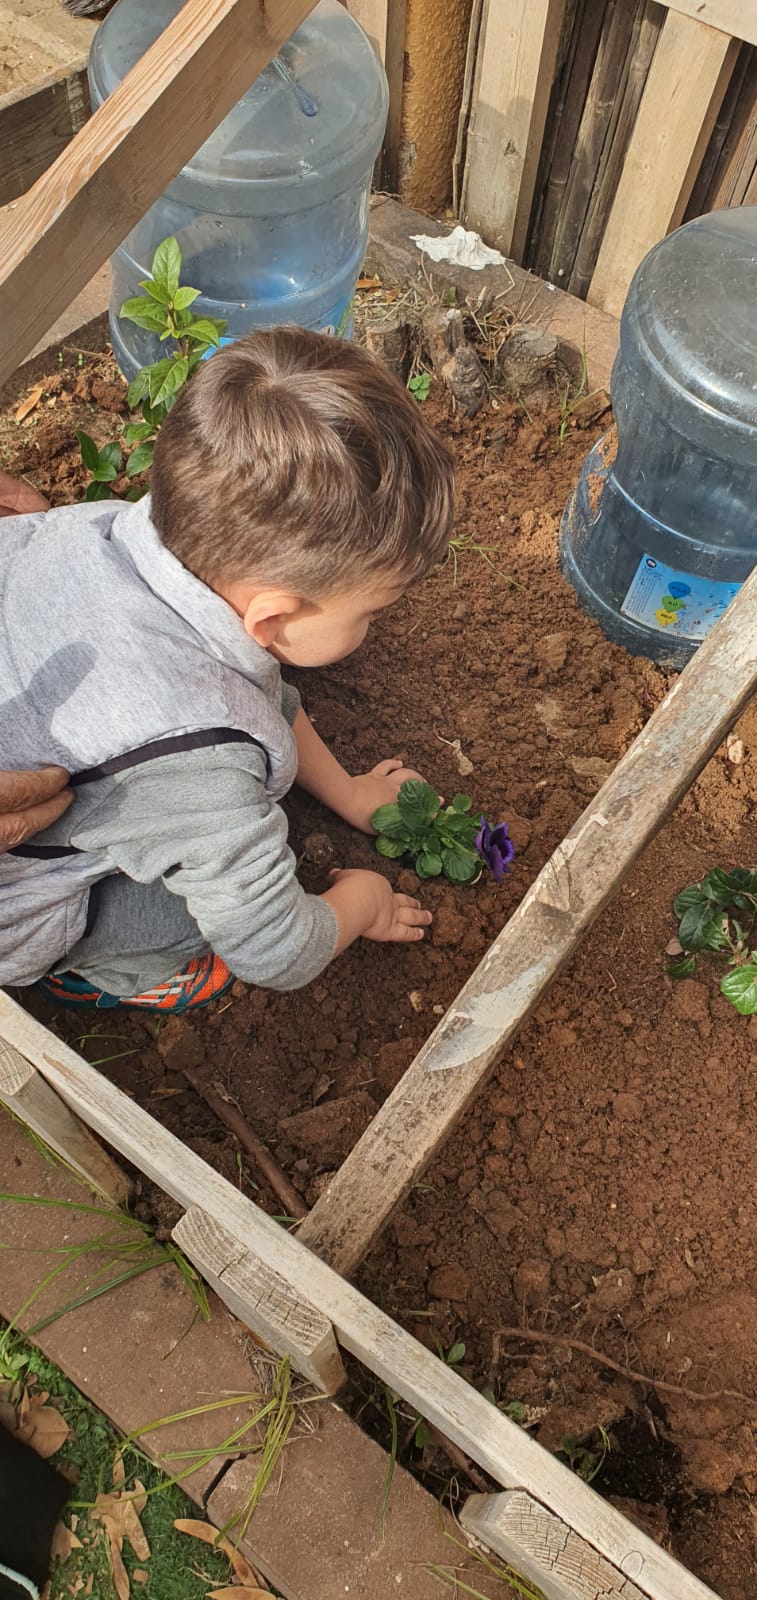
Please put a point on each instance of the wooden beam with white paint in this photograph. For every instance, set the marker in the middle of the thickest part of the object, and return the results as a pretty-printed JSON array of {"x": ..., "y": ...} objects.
[
  {"x": 682, "y": 96},
  {"x": 517, "y": 53},
  {"x": 28, "y": 1096},
  {"x": 577, "y": 882},
  {"x": 262, "y": 1300},
  {"x": 429, "y": 1385},
  {"x": 546, "y": 1551},
  {"x": 158, "y": 116}
]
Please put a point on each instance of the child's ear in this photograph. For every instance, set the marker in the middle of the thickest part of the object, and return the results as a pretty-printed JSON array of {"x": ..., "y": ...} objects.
[{"x": 265, "y": 614}]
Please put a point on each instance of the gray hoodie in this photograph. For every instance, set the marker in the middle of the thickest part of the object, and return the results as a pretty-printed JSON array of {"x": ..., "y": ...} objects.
[{"x": 118, "y": 664}]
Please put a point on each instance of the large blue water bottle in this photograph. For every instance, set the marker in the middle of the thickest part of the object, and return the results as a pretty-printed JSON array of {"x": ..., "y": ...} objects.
[
  {"x": 659, "y": 535},
  {"x": 271, "y": 214}
]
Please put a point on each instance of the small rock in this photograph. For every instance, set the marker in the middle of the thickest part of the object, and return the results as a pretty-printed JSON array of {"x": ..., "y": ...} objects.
[
  {"x": 499, "y": 1214},
  {"x": 318, "y": 849},
  {"x": 613, "y": 1292},
  {"x": 736, "y": 751},
  {"x": 450, "y": 1282},
  {"x": 625, "y": 1018},
  {"x": 551, "y": 651},
  {"x": 674, "y": 949},
  {"x": 448, "y": 926},
  {"x": 328, "y": 1132},
  {"x": 592, "y": 767},
  {"x": 416, "y": 999},
  {"x": 501, "y": 1137},
  {"x": 407, "y": 882},
  {"x": 179, "y": 1045},
  {"x": 531, "y": 1282}
]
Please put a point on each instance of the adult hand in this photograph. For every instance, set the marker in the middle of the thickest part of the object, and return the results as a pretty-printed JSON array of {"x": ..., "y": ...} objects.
[
  {"x": 31, "y": 801},
  {"x": 18, "y": 498}
]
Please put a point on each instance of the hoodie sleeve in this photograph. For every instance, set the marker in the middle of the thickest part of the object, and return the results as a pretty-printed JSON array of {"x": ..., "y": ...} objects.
[{"x": 203, "y": 823}]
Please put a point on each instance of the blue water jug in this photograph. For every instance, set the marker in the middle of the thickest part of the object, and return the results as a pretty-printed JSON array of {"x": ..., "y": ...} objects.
[
  {"x": 271, "y": 214},
  {"x": 661, "y": 532}
]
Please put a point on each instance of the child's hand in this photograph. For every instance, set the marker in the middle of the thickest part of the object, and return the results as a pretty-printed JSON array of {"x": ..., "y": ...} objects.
[
  {"x": 379, "y": 787},
  {"x": 367, "y": 907}
]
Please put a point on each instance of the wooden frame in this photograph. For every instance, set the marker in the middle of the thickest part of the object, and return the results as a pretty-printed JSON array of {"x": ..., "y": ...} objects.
[
  {"x": 552, "y": 1525},
  {"x": 37, "y": 123}
]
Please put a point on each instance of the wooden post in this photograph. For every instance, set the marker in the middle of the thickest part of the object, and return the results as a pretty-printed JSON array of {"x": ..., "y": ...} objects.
[
  {"x": 430, "y": 1386},
  {"x": 262, "y": 1300},
  {"x": 27, "y": 1096},
  {"x": 546, "y": 1551},
  {"x": 687, "y": 80},
  {"x": 517, "y": 54},
  {"x": 584, "y": 873},
  {"x": 84, "y": 205},
  {"x": 384, "y": 23}
]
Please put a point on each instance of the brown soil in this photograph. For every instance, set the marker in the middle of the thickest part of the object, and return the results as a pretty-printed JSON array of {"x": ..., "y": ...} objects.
[{"x": 603, "y": 1186}]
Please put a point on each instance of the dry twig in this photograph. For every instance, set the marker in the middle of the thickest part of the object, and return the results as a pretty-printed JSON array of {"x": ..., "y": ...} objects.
[
  {"x": 660, "y": 1384},
  {"x": 267, "y": 1164}
]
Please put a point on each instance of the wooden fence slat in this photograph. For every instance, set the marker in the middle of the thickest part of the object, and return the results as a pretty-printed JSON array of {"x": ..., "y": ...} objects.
[
  {"x": 25, "y": 1093},
  {"x": 545, "y": 1550},
  {"x": 687, "y": 80},
  {"x": 533, "y": 947},
  {"x": 262, "y": 1300},
  {"x": 87, "y": 201},
  {"x": 517, "y": 53},
  {"x": 37, "y": 123},
  {"x": 738, "y": 18},
  {"x": 429, "y": 1385},
  {"x": 384, "y": 23}
]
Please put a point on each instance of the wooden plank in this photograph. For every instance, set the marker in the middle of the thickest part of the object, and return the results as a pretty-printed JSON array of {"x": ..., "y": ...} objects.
[
  {"x": 735, "y": 17},
  {"x": 36, "y": 125},
  {"x": 29, "y": 1097},
  {"x": 687, "y": 80},
  {"x": 426, "y": 1383},
  {"x": 546, "y": 1550},
  {"x": 517, "y": 54},
  {"x": 262, "y": 1300},
  {"x": 735, "y": 175},
  {"x": 384, "y": 22},
  {"x": 533, "y": 947},
  {"x": 87, "y": 201}
]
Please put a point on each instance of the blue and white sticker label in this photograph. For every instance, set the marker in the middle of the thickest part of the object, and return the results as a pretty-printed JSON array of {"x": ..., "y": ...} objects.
[{"x": 675, "y": 602}]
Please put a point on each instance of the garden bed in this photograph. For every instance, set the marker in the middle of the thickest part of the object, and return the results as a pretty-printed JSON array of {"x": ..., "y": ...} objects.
[{"x": 602, "y": 1188}]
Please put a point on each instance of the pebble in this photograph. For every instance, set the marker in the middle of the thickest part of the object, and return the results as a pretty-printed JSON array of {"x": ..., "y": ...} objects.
[{"x": 450, "y": 1282}]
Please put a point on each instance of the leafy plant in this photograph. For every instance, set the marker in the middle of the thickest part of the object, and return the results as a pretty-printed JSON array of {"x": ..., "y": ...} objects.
[
  {"x": 719, "y": 915},
  {"x": 584, "y": 1460},
  {"x": 420, "y": 386},
  {"x": 465, "y": 544},
  {"x": 165, "y": 310},
  {"x": 440, "y": 840}
]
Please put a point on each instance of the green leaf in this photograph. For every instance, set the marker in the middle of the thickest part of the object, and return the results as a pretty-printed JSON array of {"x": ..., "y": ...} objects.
[
  {"x": 420, "y": 385},
  {"x": 458, "y": 828},
  {"x": 105, "y": 473},
  {"x": 418, "y": 802},
  {"x": 460, "y": 865},
  {"x": 515, "y": 1410},
  {"x": 203, "y": 330},
  {"x": 111, "y": 455},
  {"x": 166, "y": 266},
  {"x": 428, "y": 865},
  {"x": 144, "y": 313},
  {"x": 140, "y": 459},
  {"x": 137, "y": 491},
  {"x": 138, "y": 387},
  {"x": 391, "y": 848},
  {"x": 166, "y": 378},
  {"x": 155, "y": 291},
  {"x": 456, "y": 1354},
  {"x": 682, "y": 968},
  {"x": 135, "y": 432},
  {"x": 461, "y": 802},
  {"x": 89, "y": 452},
  {"x": 98, "y": 491},
  {"x": 740, "y": 987},
  {"x": 421, "y": 1436},
  {"x": 184, "y": 297},
  {"x": 386, "y": 817},
  {"x": 698, "y": 929}
]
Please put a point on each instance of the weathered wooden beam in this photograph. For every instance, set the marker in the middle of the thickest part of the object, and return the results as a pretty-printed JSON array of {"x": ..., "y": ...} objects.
[
  {"x": 549, "y": 1553},
  {"x": 426, "y": 1383},
  {"x": 29, "y": 1097},
  {"x": 682, "y": 96},
  {"x": 262, "y": 1300},
  {"x": 36, "y": 123},
  {"x": 104, "y": 181},
  {"x": 517, "y": 52},
  {"x": 584, "y": 873},
  {"x": 735, "y": 17}
]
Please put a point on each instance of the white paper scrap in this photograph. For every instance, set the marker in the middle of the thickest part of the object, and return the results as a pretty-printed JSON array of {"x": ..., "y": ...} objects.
[{"x": 461, "y": 248}]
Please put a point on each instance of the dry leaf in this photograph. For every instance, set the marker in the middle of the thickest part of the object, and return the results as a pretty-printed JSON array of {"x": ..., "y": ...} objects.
[
  {"x": 32, "y": 400},
  {"x": 120, "y": 1575},
  {"x": 90, "y": 1583},
  {"x": 243, "y": 1572},
  {"x": 140, "y": 1575},
  {"x": 368, "y": 283},
  {"x": 75, "y": 1588},
  {"x": 64, "y": 1541},
  {"x": 238, "y": 1593},
  {"x": 41, "y": 1426}
]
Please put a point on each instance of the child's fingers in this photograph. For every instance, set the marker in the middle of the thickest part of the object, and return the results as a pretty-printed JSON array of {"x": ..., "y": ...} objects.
[{"x": 386, "y": 768}]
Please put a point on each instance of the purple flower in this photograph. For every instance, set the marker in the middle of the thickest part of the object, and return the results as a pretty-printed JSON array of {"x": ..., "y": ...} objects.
[{"x": 495, "y": 847}]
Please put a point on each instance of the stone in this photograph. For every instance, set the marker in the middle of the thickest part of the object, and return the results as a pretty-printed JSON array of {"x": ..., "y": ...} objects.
[
  {"x": 531, "y": 1282},
  {"x": 327, "y": 1132},
  {"x": 449, "y": 1282}
]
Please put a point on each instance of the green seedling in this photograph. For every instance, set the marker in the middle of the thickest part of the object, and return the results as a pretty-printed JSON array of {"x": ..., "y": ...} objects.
[
  {"x": 165, "y": 310},
  {"x": 465, "y": 544},
  {"x": 582, "y": 1459},
  {"x": 451, "y": 1358},
  {"x": 571, "y": 399},
  {"x": 420, "y": 386},
  {"x": 719, "y": 916},
  {"x": 441, "y": 841}
]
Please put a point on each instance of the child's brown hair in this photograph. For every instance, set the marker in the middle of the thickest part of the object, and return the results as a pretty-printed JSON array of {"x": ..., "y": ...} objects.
[{"x": 295, "y": 458}]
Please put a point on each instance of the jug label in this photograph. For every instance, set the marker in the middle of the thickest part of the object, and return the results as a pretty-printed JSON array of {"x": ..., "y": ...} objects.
[{"x": 675, "y": 602}]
